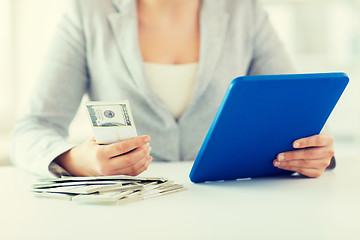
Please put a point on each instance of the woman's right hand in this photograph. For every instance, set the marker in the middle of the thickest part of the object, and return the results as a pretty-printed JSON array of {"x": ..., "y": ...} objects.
[{"x": 130, "y": 157}]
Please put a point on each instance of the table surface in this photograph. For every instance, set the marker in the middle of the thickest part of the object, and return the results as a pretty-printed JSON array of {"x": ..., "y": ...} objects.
[{"x": 267, "y": 208}]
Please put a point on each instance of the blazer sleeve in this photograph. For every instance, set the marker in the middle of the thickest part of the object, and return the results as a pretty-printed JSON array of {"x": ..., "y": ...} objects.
[
  {"x": 269, "y": 54},
  {"x": 40, "y": 135}
]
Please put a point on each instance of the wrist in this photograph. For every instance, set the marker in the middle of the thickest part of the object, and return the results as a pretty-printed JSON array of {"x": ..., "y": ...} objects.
[{"x": 67, "y": 161}]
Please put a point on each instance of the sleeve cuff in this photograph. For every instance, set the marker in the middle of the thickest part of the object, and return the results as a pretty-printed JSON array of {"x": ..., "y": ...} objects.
[
  {"x": 332, "y": 164},
  {"x": 57, "y": 170}
]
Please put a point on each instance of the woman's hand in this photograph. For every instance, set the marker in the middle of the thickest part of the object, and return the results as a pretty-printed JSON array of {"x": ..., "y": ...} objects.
[
  {"x": 130, "y": 157},
  {"x": 312, "y": 157}
]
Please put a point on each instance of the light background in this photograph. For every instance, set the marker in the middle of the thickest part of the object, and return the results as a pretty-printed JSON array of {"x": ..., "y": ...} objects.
[{"x": 321, "y": 36}]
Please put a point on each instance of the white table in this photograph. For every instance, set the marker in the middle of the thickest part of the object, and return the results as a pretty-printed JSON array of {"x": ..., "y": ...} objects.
[{"x": 269, "y": 208}]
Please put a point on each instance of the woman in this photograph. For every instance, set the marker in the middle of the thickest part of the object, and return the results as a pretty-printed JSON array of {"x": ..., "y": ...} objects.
[{"x": 149, "y": 51}]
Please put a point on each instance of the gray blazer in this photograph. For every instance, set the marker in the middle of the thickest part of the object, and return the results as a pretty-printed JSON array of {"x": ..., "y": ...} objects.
[{"x": 96, "y": 51}]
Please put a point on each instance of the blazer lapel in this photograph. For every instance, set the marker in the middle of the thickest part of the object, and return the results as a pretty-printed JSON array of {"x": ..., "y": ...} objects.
[
  {"x": 213, "y": 27},
  {"x": 124, "y": 26}
]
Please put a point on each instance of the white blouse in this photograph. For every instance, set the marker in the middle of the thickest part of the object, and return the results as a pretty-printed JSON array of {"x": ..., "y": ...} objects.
[{"x": 174, "y": 84}]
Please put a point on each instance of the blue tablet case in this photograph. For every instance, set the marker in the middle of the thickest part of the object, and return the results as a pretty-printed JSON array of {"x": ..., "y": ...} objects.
[{"x": 261, "y": 116}]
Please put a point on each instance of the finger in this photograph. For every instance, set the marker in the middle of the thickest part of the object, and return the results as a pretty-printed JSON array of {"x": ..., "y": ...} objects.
[
  {"x": 304, "y": 163},
  {"x": 123, "y": 147},
  {"x": 322, "y": 139},
  {"x": 136, "y": 169},
  {"x": 309, "y": 172},
  {"x": 307, "y": 153},
  {"x": 143, "y": 168},
  {"x": 130, "y": 160}
]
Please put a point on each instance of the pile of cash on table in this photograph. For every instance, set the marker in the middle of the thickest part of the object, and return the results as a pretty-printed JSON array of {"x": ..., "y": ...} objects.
[{"x": 105, "y": 189}]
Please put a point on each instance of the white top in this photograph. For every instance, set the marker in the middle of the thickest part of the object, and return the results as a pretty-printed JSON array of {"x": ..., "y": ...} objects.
[{"x": 174, "y": 84}]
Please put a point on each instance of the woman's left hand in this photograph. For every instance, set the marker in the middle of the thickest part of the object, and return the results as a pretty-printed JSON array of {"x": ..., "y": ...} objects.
[{"x": 311, "y": 157}]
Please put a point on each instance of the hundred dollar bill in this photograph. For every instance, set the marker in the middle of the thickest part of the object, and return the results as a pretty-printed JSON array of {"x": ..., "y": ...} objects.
[
  {"x": 111, "y": 121},
  {"x": 110, "y": 197},
  {"x": 75, "y": 183},
  {"x": 103, "y": 178}
]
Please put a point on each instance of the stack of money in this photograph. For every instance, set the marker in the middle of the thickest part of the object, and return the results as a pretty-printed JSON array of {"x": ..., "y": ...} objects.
[
  {"x": 105, "y": 189},
  {"x": 111, "y": 121}
]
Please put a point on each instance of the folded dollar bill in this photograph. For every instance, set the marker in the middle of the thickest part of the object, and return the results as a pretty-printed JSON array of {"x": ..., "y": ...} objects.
[{"x": 111, "y": 121}]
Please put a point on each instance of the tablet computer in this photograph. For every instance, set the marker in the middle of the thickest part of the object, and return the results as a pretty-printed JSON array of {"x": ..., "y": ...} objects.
[{"x": 260, "y": 117}]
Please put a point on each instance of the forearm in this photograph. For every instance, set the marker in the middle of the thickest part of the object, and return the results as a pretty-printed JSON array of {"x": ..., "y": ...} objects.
[{"x": 35, "y": 146}]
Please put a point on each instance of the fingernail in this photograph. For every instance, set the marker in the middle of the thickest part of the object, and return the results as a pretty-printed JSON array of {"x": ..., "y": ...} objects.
[
  {"x": 281, "y": 157},
  {"x": 147, "y": 139},
  {"x": 276, "y": 163},
  {"x": 296, "y": 145},
  {"x": 150, "y": 149}
]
